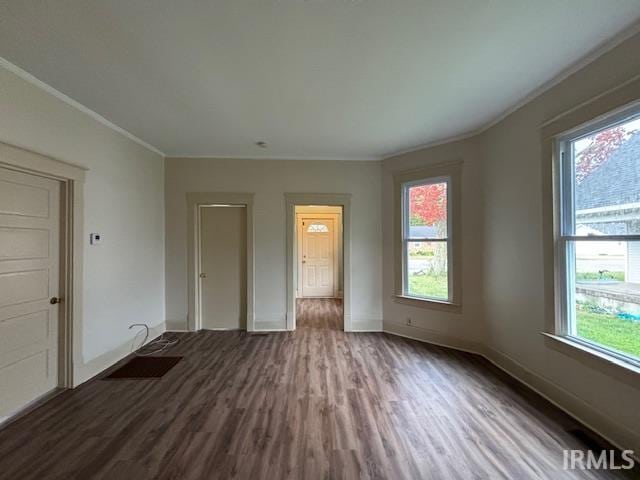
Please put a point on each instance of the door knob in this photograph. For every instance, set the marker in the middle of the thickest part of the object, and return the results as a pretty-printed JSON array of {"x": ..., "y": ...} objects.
[
  {"x": 55, "y": 300},
  {"x": 203, "y": 275}
]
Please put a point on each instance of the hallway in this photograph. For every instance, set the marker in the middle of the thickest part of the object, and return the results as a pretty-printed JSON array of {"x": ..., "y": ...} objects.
[{"x": 319, "y": 313}]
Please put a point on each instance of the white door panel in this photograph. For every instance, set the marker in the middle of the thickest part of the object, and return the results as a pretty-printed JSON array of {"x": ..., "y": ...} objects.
[
  {"x": 29, "y": 277},
  {"x": 18, "y": 197},
  {"x": 23, "y": 287},
  {"x": 23, "y": 243},
  {"x": 24, "y": 330},
  {"x": 317, "y": 258}
]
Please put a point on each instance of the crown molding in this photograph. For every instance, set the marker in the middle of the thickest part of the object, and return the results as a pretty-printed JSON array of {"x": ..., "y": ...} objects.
[
  {"x": 590, "y": 57},
  {"x": 275, "y": 157},
  {"x": 435, "y": 143},
  {"x": 575, "y": 67},
  {"x": 24, "y": 75}
]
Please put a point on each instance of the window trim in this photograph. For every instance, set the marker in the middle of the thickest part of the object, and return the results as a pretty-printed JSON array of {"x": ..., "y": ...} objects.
[
  {"x": 565, "y": 236},
  {"x": 452, "y": 172}
]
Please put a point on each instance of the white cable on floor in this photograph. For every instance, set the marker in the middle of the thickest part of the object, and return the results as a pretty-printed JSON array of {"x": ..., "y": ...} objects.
[{"x": 161, "y": 342}]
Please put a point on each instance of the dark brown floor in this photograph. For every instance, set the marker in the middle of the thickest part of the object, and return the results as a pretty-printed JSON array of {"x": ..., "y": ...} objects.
[{"x": 315, "y": 403}]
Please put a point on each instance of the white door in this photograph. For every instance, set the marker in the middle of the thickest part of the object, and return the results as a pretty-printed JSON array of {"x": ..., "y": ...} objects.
[
  {"x": 29, "y": 270},
  {"x": 223, "y": 267},
  {"x": 317, "y": 258}
]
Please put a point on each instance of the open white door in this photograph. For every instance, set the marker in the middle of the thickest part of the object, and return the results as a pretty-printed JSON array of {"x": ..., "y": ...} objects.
[
  {"x": 318, "y": 258},
  {"x": 29, "y": 279}
]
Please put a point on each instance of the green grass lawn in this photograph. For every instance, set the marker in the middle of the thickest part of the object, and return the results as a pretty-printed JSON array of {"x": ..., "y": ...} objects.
[
  {"x": 434, "y": 286},
  {"x": 610, "y": 331},
  {"x": 619, "y": 276}
]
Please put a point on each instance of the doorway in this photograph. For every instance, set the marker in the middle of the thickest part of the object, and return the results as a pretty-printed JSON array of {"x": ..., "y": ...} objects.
[
  {"x": 223, "y": 267},
  {"x": 319, "y": 267},
  {"x": 32, "y": 353},
  {"x": 318, "y": 256}
]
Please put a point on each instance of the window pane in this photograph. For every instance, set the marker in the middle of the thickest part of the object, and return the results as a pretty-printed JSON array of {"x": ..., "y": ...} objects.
[
  {"x": 318, "y": 228},
  {"x": 428, "y": 210},
  {"x": 607, "y": 294},
  {"x": 427, "y": 270},
  {"x": 607, "y": 181}
]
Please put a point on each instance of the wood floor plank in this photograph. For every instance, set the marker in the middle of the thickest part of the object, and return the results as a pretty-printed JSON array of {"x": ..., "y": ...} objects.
[{"x": 314, "y": 403}]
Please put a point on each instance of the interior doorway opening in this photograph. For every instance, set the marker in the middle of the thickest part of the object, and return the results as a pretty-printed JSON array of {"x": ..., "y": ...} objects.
[
  {"x": 298, "y": 201},
  {"x": 318, "y": 268}
]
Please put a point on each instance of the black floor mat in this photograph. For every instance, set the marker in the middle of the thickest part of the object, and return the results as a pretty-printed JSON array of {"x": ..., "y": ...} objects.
[{"x": 144, "y": 367}]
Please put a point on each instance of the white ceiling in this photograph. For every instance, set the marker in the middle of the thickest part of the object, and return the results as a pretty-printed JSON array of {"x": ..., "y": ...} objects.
[{"x": 313, "y": 78}]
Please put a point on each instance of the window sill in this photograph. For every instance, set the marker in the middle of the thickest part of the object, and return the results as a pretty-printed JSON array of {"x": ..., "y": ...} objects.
[
  {"x": 607, "y": 364},
  {"x": 428, "y": 303}
]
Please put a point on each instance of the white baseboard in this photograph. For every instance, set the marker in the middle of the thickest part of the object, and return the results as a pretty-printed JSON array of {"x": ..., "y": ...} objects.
[
  {"x": 618, "y": 435},
  {"x": 615, "y": 433},
  {"x": 270, "y": 326},
  {"x": 99, "y": 364},
  {"x": 366, "y": 325},
  {"x": 432, "y": 336}
]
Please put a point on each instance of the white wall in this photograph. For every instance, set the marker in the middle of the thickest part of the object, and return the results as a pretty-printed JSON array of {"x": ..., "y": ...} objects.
[
  {"x": 269, "y": 180},
  {"x": 124, "y": 201},
  {"x": 504, "y": 301},
  {"x": 434, "y": 324},
  {"x": 514, "y": 263}
]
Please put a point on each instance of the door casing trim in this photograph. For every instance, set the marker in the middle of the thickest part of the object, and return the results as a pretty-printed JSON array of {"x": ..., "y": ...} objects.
[{"x": 71, "y": 178}]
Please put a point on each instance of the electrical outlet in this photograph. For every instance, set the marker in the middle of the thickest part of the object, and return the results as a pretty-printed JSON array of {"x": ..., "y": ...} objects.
[{"x": 409, "y": 321}]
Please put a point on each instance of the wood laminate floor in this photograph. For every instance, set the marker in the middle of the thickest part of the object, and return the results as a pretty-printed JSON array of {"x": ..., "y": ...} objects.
[{"x": 311, "y": 404}]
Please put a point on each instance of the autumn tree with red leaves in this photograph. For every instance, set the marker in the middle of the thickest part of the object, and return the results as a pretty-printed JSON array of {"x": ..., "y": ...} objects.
[{"x": 428, "y": 204}]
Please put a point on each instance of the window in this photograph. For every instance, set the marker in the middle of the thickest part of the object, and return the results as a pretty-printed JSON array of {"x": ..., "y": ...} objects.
[
  {"x": 318, "y": 228},
  {"x": 427, "y": 224},
  {"x": 598, "y": 246},
  {"x": 426, "y": 240}
]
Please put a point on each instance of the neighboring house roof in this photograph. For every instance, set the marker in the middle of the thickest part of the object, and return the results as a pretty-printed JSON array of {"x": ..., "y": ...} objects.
[{"x": 615, "y": 182}]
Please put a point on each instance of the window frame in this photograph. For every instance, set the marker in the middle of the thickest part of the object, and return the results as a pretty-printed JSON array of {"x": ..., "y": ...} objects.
[
  {"x": 406, "y": 239},
  {"x": 565, "y": 235},
  {"x": 453, "y": 171}
]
